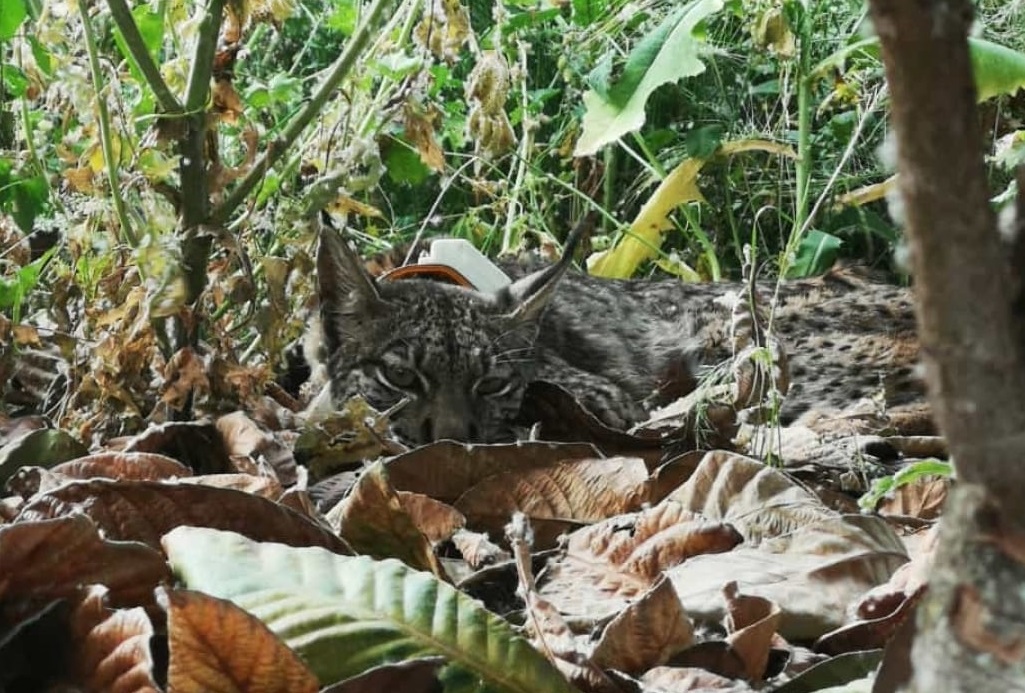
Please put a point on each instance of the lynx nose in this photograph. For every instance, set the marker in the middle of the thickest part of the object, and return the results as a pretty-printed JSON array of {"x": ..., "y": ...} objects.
[{"x": 449, "y": 426}]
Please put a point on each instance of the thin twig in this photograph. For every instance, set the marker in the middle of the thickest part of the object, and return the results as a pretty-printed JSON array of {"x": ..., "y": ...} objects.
[{"x": 281, "y": 144}]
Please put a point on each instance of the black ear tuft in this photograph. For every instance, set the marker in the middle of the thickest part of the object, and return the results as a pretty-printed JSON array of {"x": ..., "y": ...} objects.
[
  {"x": 529, "y": 296},
  {"x": 347, "y": 292}
]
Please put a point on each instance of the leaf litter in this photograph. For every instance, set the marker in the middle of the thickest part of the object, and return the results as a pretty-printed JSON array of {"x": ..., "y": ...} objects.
[{"x": 664, "y": 558}]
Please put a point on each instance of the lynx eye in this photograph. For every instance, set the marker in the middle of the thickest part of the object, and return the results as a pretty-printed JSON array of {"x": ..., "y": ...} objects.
[
  {"x": 397, "y": 376},
  {"x": 492, "y": 386}
]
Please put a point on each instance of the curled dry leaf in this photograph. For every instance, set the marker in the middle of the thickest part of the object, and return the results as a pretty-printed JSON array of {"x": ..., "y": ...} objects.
[
  {"x": 436, "y": 520},
  {"x": 870, "y": 634},
  {"x": 217, "y": 646},
  {"x": 248, "y": 443},
  {"x": 646, "y": 633},
  {"x": 751, "y": 626},
  {"x": 146, "y": 510},
  {"x": 111, "y": 649},
  {"x": 477, "y": 550},
  {"x": 373, "y": 521},
  {"x": 585, "y": 491},
  {"x": 614, "y": 561},
  {"x": 52, "y": 558}
]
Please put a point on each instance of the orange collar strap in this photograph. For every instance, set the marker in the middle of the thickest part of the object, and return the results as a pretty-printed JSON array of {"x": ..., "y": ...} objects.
[{"x": 440, "y": 273}]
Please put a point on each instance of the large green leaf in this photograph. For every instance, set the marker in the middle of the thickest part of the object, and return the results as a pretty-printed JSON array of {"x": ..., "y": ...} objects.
[
  {"x": 346, "y": 614},
  {"x": 12, "y": 14},
  {"x": 998, "y": 69},
  {"x": 667, "y": 54}
]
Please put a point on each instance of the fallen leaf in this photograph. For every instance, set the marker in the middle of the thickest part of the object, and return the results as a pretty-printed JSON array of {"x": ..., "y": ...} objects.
[
  {"x": 111, "y": 650},
  {"x": 216, "y": 646},
  {"x": 146, "y": 510}
]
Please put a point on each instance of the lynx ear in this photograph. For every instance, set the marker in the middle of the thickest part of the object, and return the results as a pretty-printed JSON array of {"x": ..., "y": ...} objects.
[
  {"x": 346, "y": 290},
  {"x": 531, "y": 294}
]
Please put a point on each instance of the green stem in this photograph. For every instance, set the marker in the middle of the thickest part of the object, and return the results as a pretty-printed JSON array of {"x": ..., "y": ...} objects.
[
  {"x": 106, "y": 142},
  {"x": 137, "y": 47},
  {"x": 804, "y": 113},
  {"x": 281, "y": 144}
]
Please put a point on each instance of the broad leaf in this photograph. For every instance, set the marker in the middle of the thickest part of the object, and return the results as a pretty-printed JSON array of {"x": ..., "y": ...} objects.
[
  {"x": 12, "y": 14},
  {"x": 998, "y": 69},
  {"x": 345, "y": 614},
  {"x": 645, "y": 235},
  {"x": 667, "y": 54}
]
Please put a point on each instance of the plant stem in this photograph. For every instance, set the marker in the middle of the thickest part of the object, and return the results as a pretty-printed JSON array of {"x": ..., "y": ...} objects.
[
  {"x": 137, "y": 47},
  {"x": 526, "y": 145},
  {"x": 103, "y": 118},
  {"x": 281, "y": 144},
  {"x": 804, "y": 113}
]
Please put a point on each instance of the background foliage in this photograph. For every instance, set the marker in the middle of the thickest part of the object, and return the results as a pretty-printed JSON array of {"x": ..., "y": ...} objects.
[{"x": 160, "y": 165}]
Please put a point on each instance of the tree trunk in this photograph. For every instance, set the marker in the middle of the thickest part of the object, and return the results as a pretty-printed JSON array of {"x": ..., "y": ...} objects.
[{"x": 971, "y": 626}]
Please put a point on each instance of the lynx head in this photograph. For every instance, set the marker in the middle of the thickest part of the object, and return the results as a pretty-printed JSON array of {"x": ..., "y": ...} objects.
[{"x": 459, "y": 358}]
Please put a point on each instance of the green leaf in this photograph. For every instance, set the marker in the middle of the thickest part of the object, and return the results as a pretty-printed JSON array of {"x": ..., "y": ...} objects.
[
  {"x": 343, "y": 18},
  {"x": 703, "y": 141},
  {"x": 13, "y": 78},
  {"x": 998, "y": 70},
  {"x": 586, "y": 12},
  {"x": 908, "y": 475},
  {"x": 151, "y": 28},
  {"x": 347, "y": 614},
  {"x": 44, "y": 447},
  {"x": 12, "y": 14},
  {"x": 665, "y": 55},
  {"x": 815, "y": 254},
  {"x": 30, "y": 197},
  {"x": 41, "y": 55},
  {"x": 404, "y": 164}
]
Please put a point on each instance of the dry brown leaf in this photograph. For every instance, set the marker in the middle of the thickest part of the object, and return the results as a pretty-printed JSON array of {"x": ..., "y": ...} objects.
[
  {"x": 436, "y": 520},
  {"x": 751, "y": 626},
  {"x": 583, "y": 491},
  {"x": 262, "y": 486},
  {"x": 340, "y": 440},
  {"x": 251, "y": 447},
  {"x": 446, "y": 470},
  {"x": 52, "y": 558},
  {"x": 373, "y": 521},
  {"x": 217, "y": 646},
  {"x": 616, "y": 560},
  {"x": 758, "y": 500},
  {"x": 923, "y": 499},
  {"x": 870, "y": 634},
  {"x": 106, "y": 465},
  {"x": 419, "y": 132},
  {"x": 684, "y": 679},
  {"x": 146, "y": 510},
  {"x": 477, "y": 550},
  {"x": 184, "y": 375},
  {"x": 646, "y": 633},
  {"x": 111, "y": 649}
]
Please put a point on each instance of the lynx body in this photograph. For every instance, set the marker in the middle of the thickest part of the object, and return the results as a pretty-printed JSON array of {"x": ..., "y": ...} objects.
[{"x": 461, "y": 360}]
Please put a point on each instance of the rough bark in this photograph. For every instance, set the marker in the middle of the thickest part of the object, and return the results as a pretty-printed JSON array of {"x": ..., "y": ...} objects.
[{"x": 971, "y": 627}]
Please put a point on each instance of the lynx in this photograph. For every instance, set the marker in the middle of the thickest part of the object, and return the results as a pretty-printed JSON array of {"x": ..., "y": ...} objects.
[{"x": 454, "y": 363}]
